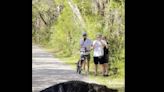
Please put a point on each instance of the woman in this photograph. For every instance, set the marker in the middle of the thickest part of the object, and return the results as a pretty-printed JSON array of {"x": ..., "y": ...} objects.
[
  {"x": 106, "y": 56},
  {"x": 98, "y": 53}
]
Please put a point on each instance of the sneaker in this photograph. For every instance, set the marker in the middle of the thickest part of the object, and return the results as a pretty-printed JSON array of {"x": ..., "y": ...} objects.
[{"x": 106, "y": 75}]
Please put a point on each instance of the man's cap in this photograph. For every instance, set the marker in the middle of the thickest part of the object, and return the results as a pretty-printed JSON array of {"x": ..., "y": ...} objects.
[{"x": 84, "y": 34}]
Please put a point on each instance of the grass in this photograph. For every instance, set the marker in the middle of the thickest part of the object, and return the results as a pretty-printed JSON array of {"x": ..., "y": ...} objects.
[{"x": 113, "y": 81}]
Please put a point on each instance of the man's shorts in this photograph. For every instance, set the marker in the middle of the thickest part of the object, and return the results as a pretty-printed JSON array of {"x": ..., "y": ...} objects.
[
  {"x": 86, "y": 57},
  {"x": 98, "y": 60}
]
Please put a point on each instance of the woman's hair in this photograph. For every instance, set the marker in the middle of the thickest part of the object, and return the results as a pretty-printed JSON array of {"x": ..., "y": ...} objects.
[{"x": 104, "y": 37}]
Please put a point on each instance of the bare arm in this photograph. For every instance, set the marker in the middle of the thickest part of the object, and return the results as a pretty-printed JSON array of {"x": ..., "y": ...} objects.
[
  {"x": 103, "y": 44},
  {"x": 106, "y": 45},
  {"x": 93, "y": 45}
]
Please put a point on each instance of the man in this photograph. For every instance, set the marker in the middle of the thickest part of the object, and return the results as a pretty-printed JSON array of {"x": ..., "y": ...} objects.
[
  {"x": 85, "y": 47},
  {"x": 98, "y": 53}
]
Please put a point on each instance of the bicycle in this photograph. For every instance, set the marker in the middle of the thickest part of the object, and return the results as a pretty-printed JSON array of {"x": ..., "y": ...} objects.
[
  {"x": 79, "y": 65},
  {"x": 82, "y": 60}
]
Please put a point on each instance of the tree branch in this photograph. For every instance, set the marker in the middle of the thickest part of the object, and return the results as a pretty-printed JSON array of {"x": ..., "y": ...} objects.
[{"x": 43, "y": 19}]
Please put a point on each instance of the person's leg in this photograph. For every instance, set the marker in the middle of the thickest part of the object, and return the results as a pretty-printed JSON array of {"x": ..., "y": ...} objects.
[
  {"x": 82, "y": 62},
  {"x": 102, "y": 69},
  {"x": 103, "y": 66},
  {"x": 106, "y": 64},
  {"x": 85, "y": 65},
  {"x": 96, "y": 64},
  {"x": 101, "y": 60},
  {"x": 106, "y": 68},
  {"x": 88, "y": 62}
]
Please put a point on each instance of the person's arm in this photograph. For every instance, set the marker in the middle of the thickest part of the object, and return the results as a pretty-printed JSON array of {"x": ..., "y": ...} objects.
[
  {"x": 106, "y": 45},
  {"x": 103, "y": 43},
  {"x": 93, "y": 45},
  {"x": 81, "y": 43}
]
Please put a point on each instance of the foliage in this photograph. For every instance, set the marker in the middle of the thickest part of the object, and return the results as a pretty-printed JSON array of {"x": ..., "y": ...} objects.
[{"x": 63, "y": 29}]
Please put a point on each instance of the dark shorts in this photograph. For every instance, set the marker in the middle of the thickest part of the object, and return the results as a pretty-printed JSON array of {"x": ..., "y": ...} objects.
[
  {"x": 106, "y": 58},
  {"x": 98, "y": 60},
  {"x": 86, "y": 57}
]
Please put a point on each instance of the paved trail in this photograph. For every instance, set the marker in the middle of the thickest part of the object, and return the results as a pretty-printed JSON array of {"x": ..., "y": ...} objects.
[{"x": 47, "y": 70}]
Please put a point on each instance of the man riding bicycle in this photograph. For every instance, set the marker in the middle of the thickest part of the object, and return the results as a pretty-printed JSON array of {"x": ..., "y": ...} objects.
[{"x": 85, "y": 46}]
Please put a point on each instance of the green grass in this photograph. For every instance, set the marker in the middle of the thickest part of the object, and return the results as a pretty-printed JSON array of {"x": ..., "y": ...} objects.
[{"x": 113, "y": 81}]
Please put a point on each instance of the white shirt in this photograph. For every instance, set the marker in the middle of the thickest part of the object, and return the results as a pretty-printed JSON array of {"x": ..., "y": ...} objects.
[
  {"x": 98, "y": 48},
  {"x": 87, "y": 44}
]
